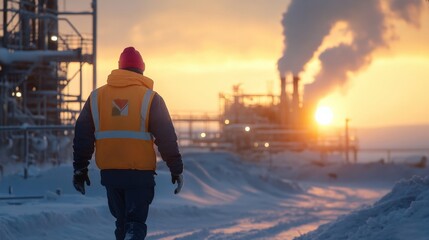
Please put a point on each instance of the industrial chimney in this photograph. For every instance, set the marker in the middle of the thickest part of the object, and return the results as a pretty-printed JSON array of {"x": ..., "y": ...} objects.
[
  {"x": 295, "y": 94},
  {"x": 284, "y": 105},
  {"x": 295, "y": 108}
]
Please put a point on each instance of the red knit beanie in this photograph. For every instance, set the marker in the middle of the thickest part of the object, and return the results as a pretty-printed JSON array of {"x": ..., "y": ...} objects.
[{"x": 131, "y": 58}]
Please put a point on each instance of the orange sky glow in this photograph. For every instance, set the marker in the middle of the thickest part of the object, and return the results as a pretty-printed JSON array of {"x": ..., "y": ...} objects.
[{"x": 194, "y": 50}]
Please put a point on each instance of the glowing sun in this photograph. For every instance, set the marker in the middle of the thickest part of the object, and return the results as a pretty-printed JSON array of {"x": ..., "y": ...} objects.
[{"x": 324, "y": 115}]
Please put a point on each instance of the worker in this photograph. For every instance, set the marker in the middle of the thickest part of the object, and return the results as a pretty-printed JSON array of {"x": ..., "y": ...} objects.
[{"x": 122, "y": 120}]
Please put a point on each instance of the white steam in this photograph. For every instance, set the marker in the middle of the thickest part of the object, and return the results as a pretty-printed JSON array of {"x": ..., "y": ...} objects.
[{"x": 307, "y": 22}]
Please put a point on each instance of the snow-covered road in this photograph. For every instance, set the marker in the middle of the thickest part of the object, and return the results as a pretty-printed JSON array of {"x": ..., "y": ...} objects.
[{"x": 223, "y": 198}]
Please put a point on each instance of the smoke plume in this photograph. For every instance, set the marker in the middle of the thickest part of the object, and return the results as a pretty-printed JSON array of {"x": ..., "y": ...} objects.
[{"x": 307, "y": 22}]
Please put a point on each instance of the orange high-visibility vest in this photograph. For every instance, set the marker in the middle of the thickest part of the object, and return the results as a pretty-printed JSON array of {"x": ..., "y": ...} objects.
[{"x": 121, "y": 120}]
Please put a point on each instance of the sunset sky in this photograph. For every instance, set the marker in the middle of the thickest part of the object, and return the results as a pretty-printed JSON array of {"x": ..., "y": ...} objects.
[{"x": 194, "y": 50}]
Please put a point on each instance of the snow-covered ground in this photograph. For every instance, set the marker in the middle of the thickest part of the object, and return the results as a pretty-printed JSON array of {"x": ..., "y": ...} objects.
[
  {"x": 281, "y": 196},
  {"x": 401, "y": 214}
]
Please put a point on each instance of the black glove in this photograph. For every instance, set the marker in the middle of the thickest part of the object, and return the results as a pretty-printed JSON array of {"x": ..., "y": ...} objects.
[
  {"x": 79, "y": 178},
  {"x": 179, "y": 179}
]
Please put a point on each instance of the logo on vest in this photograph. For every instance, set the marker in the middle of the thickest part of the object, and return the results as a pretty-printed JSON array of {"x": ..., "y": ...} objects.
[{"x": 120, "y": 107}]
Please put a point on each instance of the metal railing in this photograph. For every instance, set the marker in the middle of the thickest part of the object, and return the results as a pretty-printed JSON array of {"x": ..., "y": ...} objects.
[{"x": 27, "y": 134}]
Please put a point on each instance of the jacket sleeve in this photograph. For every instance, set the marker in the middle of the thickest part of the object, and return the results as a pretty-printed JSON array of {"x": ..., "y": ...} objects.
[
  {"x": 161, "y": 127},
  {"x": 84, "y": 138}
]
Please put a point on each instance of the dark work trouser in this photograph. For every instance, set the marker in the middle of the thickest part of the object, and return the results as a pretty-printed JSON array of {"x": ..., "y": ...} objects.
[{"x": 130, "y": 207}]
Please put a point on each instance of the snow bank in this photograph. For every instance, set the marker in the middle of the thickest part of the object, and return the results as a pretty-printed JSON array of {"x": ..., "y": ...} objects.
[
  {"x": 67, "y": 219},
  {"x": 217, "y": 186},
  {"x": 401, "y": 214},
  {"x": 225, "y": 197},
  {"x": 206, "y": 173},
  {"x": 307, "y": 166}
]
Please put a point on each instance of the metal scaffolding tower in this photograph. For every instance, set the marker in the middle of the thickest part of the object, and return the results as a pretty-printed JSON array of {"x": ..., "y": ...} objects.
[{"x": 38, "y": 44}]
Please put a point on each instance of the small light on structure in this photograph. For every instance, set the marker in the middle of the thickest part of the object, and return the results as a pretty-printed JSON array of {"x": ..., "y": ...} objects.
[
  {"x": 203, "y": 135},
  {"x": 18, "y": 94},
  {"x": 266, "y": 144},
  {"x": 13, "y": 94},
  {"x": 33, "y": 89},
  {"x": 247, "y": 129},
  {"x": 226, "y": 121},
  {"x": 256, "y": 144},
  {"x": 54, "y": 38}
]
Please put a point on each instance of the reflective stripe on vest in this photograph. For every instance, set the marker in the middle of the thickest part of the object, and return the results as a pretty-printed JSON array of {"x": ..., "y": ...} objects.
[
  {"x": 123, "y": 134},
  {"x": 144, "y": 109},
  {"x": 143, "y": 134},
  {"x": 94, "y": 110}
]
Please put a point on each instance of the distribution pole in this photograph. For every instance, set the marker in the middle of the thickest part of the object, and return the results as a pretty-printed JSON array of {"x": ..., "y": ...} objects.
[
  {"x": 94, "y": 44},
  {"x": 347, "y": 140},
  {"x": 5, "y": 33}
]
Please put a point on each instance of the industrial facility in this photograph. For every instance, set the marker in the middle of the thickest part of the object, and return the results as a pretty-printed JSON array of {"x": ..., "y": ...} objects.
[
  {"x": 43, "y": 51},
  {"x": 263, "y": 123}
]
